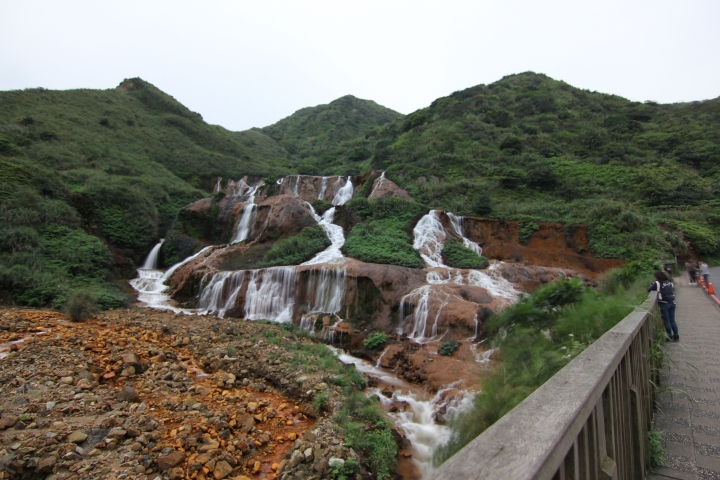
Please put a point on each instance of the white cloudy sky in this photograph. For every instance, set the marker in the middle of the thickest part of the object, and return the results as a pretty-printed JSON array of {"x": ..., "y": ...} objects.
[{"x": 243, "y": 64}]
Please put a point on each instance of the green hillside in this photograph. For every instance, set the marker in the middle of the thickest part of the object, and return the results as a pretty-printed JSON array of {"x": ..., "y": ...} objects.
[
  {"x": 642, "y": 175},
  {"x": 90, "y": 179},
  {"x": 329, "y": 139}
]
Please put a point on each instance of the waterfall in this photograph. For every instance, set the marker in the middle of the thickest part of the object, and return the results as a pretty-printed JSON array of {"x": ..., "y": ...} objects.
[
  {"x": 307, "y": 323},
  {"x": 429, "y": 236},
  {"x": 419, "y": 420},
  {"x": 345, "y": 194},
  {"x": 215, "y": 299},
  {"x": 335, "y": 234},
  {"x": 419, "y": 415},
  {"x": 495, "y": 285},
  {"x": 152, "y": 259},
  {"x": 150, "y": 284},
  {"x": 271, "y": 294},
  {"x": 416, "y": 325},
  {"x": 297, "y": 183},
  {"x": 456, "y": 223},
  {"x": 217, "y": 186},
  {"x": 323, "y": 187},
  {"x": 244, "y": 227},
  {"x": 378, "y": 182},
  {"x": 329, "y": 286}
]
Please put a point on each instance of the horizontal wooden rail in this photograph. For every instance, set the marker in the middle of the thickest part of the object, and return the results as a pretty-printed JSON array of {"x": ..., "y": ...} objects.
[{"x": 589, "y": 421}]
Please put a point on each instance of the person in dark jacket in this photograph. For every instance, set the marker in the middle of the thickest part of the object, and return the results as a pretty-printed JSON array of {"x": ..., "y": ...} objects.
[
  {"x": 692, "y": 271},
  {"x": 666, "y": 302}
]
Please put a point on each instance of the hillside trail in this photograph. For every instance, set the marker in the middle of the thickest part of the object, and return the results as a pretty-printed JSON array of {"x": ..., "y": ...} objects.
[{"x": 689, "y": 413}]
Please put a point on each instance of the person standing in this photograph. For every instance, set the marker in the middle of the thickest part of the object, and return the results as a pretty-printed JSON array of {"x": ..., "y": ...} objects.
[
  {"x": 705, "y": 272},
  {"x": 692, "y": 271},
  {"x": 666, "y": 302}
]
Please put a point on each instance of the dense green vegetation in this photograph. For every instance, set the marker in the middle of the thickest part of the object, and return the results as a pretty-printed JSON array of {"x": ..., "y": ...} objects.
[
  {"x": 531, "y": 148},
  {"x": 375, "y": 340},
  {"x": 84, "y": 171},
  {"x": 538, "y": 336},
  {"x": 328, "y": 139},
  {"x": 383, "y": 232},
  {"x": 296, "y": 249},
  {"x": 458, "y": 255}
]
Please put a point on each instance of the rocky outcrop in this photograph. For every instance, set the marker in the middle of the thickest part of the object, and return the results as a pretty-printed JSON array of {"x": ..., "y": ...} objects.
[
  {"x": 384, "y": 187},
  {"x": 553, "y": 244}
]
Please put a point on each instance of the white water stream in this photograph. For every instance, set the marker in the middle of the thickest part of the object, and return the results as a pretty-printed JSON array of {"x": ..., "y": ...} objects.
[
  {"x": 151, "y": 287},
  {"x": 271, "y": 294},
  {"x": 429, "y": 237},
  {"x": 457, "y": 224},
  {"x": 244, "y": 227},
  {"x": 151, "y": 261},
  {"x": 345, "y": 194},
  {"x": 378, "y": 184},
  {"x": 419, "y": 418}
]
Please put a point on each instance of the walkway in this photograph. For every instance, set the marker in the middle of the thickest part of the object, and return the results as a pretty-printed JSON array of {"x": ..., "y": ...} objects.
[{"x": 689, "y": 414}]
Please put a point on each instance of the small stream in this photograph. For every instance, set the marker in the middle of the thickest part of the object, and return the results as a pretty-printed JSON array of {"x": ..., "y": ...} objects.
[{"x": 419, "y": 415}]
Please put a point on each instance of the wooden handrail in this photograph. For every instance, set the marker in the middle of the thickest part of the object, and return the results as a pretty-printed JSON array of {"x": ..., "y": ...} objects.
[{"x": 589, "y": 421}]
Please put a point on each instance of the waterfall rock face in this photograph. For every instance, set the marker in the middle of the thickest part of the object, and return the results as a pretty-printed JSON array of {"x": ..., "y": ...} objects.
[{"x": 437, "y": 302}]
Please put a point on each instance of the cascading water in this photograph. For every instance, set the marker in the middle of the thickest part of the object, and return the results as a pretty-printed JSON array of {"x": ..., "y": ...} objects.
[
  {"x": 247, "y": 219},
  {"x": 456, "y": 223},
  {"x": 429, "y": 236},
  {"x": 297, "y": 184},
  {"x": 335, "y": 234},
  {"x": 378, "y": 183},
  {"x": 271, "y": 294},
  {"x": 219, "y": 295},
  {"x": 150, "y": 285},
  {"x": 329, "y": 286},
  {"x": 345, "y": 194},
  {"x": 217, "y": 186},
  {"x": 151, "y": 261},
  {"x": 418, "y": 415},
  {"x": 416, "y": 324},
  {"x": 323, "y": 187},
  {"x": 495, "y": 285}
]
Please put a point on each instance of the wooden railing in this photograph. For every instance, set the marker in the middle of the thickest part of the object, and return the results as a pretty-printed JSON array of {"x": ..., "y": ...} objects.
[{"x": 589, "y": 421}]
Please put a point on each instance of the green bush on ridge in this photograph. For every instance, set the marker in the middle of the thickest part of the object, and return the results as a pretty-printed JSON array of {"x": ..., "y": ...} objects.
[
  {"x": 457, "y": 255},
  {"x": 296, "y": 249}
]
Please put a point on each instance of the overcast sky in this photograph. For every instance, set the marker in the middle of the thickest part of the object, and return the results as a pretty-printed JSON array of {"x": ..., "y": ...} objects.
[{"x": 243, "y": 64}]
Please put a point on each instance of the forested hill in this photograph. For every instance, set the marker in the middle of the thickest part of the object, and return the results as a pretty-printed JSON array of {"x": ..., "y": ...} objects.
[
  {"x": 90, "y": 179},
  {"x": 324, "y": 138},
  {"x": 644, "y": 176}
]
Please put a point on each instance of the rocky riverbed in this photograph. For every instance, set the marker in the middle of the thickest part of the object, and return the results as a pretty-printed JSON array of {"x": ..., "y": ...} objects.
[{"x": 141, "y": 394}]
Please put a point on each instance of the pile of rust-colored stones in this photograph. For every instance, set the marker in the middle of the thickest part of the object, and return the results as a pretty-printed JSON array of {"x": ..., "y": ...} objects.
[{"x": 140, "y": 394}]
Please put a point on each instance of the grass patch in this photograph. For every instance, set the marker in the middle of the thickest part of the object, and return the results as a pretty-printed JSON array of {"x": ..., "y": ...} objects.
[
  {"x": 457, "y": 255},
  {"x": 296, "y": 249}
]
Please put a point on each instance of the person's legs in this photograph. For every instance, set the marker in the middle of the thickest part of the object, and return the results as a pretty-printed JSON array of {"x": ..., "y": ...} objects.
[
  {"x": 666, "y": 319},
  {"x": 692, "y": 277},
  {"x": 706, "y": 277},
  {"x": 671, "y": 321}
]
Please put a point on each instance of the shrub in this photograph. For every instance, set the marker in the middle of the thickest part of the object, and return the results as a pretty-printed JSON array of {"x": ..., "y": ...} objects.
[
  {"x": 457, "y": 255},
  {"x": 321, "y": 206},
  {"x": 483, "y": 205},
  {"x": 296, "y": 249},
  {"x": 80, "y": 305},
  {"x": 448, "y": 348},
  {"x": 375, "y": 340}
]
